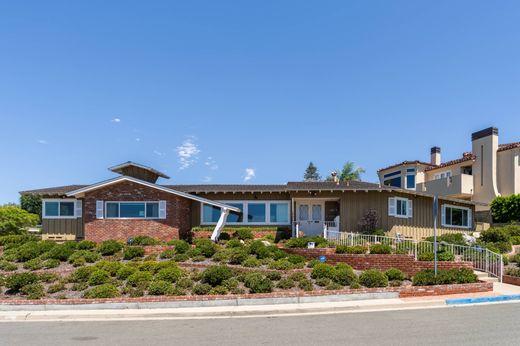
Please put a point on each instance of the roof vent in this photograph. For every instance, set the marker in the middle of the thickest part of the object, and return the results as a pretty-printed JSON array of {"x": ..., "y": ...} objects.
[{"x": 138, "y": 171}]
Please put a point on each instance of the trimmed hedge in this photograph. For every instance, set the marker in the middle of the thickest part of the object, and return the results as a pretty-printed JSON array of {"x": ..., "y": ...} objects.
[{"x": 450, "y": 276}]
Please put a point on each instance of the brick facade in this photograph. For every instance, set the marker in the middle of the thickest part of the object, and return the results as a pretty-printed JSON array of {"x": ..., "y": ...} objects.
[
  {"x": 176, "y": 225},
  {"x": 405, "y": 263}
]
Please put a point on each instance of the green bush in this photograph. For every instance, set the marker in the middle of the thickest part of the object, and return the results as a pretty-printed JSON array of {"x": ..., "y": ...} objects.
[
  {"x": 395, "y": 274},
  {"x": 60, "y": 252},
  {"x": 214, "y": 275},
  {"x": 425, "y": 256},
  {"x": 451, "y": 276},
  {"x": 231, "y": 283},
  {"x": 159, "y": 288},
  {"x": 494, "y": 235},
  {"x": 515, "y": 240},
  {"x": 144, "y": 240},
  {"x": 34, "y": 264},
  {"x": 323, "y": 270},
  {"x": 258, "y": 283},
  {"x": 51, "y": 263},
  {"x": 28, "y": 251},
  {"x": 306, "y": 285},
  {"x": 297, "y": 276},
  {"x": 102, "y": 291},
  {"x": 281, "y": 264},
  {"x": 450, "y": 238},
  {"x": 86, "y": 245},
  {"x": 206, "y": 247},
  {"x": 251, "y": 262},
  {"x": 110, "y": 267},
  {"x": 8, "y": 266},
  {"x": 506, "y": 209},
  {"x": 132, "y": 252},
  {"x": 98, "y": 277},
  {"x": 218, "y": 290},
  {"x": 170, "y": 274},
  {"x": 201, "y": 289},
  {"x": 323, "y": 282},
  {"x": 179, "y": 246},
  {"x": 274, "y": 276},
  {"x": 182, "y": 257},
  {"x": 296, "y": 259},
  {"x": 33, "y": 291},
  {"x": 48, "y": 277},
  {"x": 15, "y": 240},
  {"x": 81, "y": 274},
  {"x": 312, "y": 263},
  {"x": 445, "y": 256},
  {"x": 13, "y": 220},
  {"x": 344, "y": 275},
  {"x": 380, "y": 249},
  {"x": 238, "y": 255},
  {"x": 373, "y": 278},
  {"x": 57, "y": 287},
  {"x": 333, "y": 286},
  {"x": 109, "y": 247},
  {"x": 357, "y": 249},
  {"x": 124, "y": 272},
  {"x": 243, "y": 234},
  {"x": 138, "y": 278},
  {"x": 234, "y": 243},
  {"x": 16, "y": 281},
  {"x": 167, "y": 254},
  {"x": 88, "y": 256},
  {"x": 285, "y": 284},
  {"x": 303, "y": 241},
  {"x": 185, "y": 283}
]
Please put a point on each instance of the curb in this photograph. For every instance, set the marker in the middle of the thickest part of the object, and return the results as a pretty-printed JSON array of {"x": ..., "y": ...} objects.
[{"x": 463, "y": 301}]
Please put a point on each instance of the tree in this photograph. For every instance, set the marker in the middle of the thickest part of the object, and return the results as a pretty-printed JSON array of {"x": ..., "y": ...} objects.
[
  {"x": 311, "y": 173},
  {"x": 14, "y": 220},
  {"x": 32, "y": 203},
  {"x": 349, "y": 172}
]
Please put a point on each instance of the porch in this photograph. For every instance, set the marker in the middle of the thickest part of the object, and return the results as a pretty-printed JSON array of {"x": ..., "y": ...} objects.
[{"x": 315, "y": 216}]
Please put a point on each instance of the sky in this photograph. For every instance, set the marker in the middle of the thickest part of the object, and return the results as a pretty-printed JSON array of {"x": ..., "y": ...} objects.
[{"x": 248, "y": 91}]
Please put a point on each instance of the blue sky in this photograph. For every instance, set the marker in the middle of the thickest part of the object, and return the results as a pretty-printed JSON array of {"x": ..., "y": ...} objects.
[{"x": 248, "y": 91}]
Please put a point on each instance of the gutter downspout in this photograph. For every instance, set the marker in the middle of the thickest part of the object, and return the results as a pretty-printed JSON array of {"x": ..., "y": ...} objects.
[{"x": 220, "y": 224}]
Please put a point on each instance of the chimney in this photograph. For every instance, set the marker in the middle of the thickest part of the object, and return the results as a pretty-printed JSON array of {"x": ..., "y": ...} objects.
[
  {"x": 484, "y": 147},
  {"x": 435, "y": 158},
  {"x": 334, "y": 176}
]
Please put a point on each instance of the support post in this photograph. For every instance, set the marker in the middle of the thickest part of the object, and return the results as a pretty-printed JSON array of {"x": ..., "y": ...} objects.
[
  {"x": 220, "y": 224},
  {"x": 435, "y": 212}
]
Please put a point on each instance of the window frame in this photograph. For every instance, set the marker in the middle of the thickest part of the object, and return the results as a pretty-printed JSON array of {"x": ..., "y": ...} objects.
[
  {"x": 131, "y": 218},
  {"x": 408, "y": 204},
  {"x": 245, "y": 212},
  {"x": 443, "y": 216},
  {"x": 59, "y": 200}
]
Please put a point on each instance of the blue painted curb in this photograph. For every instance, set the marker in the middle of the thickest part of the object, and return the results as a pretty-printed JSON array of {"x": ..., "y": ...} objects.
[{"x": 504, "y": 298}]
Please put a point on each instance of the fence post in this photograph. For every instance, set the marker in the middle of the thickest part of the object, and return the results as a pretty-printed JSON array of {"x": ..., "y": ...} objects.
[
  {"x": 415, "y": 248},
  {"x": 487, "y": 261}
]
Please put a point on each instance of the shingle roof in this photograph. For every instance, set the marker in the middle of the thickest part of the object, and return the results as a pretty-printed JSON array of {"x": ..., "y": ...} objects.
[
  {"x": 201, "y": 188},
  {"x": 508, "y": 146},
  {"x": 54, "y": 191},
  {"x": 465, "y": 157},
  {"x": 416, "y": 162},
  {"x": 330, "y": 185}
]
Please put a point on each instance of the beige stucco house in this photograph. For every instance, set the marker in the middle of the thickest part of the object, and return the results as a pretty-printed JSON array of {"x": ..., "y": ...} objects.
[{"x": 489, "y": 170}]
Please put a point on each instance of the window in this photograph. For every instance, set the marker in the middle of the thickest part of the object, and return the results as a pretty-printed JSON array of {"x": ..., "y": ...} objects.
[
  {"x": 443, "y": 175},
  {"x": 400, "y": 207},
  {"x": 132, "y": 210},
  {"x": 410, "y": 181},
  {"x": 453, "y": 216},
  {"x": 253, "y": 212},
  {"x": 393, "y": 179},
  {"x": 55, "y": 209}
]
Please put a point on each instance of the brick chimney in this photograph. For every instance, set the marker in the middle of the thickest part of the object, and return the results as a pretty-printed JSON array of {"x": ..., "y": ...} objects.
[{"x": 435, "y": 156}]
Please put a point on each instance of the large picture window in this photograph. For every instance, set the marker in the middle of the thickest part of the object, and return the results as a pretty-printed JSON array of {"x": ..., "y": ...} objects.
[
  {"x": 393, "y": 179},
  {"x": 132, "y": 210},
  {"x": 55, "y": 209},
  {"x": 453, "y": 216},
  {"x": 253, "y": 213}
]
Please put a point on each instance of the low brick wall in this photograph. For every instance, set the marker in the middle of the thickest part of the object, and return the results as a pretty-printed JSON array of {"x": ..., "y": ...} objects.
[
  {"x": 407, "y": 291},
  {"x": 512, "y": 280},
  {"x": 406, "y": 263}
]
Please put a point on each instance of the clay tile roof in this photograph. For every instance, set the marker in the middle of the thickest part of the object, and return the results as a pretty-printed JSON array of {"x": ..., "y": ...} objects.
[
  {"x": 465, "y": 157},
  {"x": 508, "y": 146},
  {"x": 54, "y": 191},
  {"x": 416, "y": 162}
]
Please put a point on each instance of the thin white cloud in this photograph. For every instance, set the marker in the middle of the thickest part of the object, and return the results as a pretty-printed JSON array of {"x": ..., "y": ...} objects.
[
  {"x": 187, "y": 153},
  {"x": 116, "y": 120},
  {"x": 250, "y": 174},
  {"x": 42, "y": 141},
  {"x": 207, "y": 179},
  {"x": 211, "y": 164},
  {"x": 138, "y": 139},
  {"x": 159, "y": 153}
]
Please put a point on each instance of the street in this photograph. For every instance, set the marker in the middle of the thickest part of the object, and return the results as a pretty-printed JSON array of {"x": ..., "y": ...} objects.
[{"x": 472, "y": 325}]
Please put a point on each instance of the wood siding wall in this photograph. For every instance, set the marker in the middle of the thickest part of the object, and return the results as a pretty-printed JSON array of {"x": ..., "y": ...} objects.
[{"x": 63, "y": 226}]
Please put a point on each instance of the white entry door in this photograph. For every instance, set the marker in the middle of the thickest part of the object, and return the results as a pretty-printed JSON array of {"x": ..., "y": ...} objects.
[{"x": 310, "y": 217}]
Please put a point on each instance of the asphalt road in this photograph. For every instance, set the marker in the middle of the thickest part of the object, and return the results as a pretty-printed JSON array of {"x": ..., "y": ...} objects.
[{"x": 473, "y": 325}]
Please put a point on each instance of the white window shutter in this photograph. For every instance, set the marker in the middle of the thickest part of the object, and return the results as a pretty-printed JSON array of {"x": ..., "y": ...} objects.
[
  {"x": 410, "y": 208},
  {"x": 79, "y": 208},
  {"x": 162, "y": 209},
  {"x": 391, "y": 206},
  {"x": 443, "y": 215},
  {"x": 99, "y": 210},
  {"x": 470, "y": 218}
]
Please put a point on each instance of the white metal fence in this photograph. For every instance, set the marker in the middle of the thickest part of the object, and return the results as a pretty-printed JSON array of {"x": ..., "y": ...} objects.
[{"x": 481, "y": 258}]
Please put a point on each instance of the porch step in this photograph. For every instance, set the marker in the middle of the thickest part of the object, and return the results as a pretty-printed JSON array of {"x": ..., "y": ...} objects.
[{"x": 483, "y": 276}]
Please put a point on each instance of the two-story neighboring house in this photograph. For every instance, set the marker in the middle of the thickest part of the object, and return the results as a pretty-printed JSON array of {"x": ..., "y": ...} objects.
[{"x": 489, "y": 170}]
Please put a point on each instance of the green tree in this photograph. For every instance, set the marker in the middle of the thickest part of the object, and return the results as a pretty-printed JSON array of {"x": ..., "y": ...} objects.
[
  {"x": 349, "y": 172},
  {"x": 32, "y": 203},
  {"x": 13, "y": 220},
  {"x": 311, "y": 173}
]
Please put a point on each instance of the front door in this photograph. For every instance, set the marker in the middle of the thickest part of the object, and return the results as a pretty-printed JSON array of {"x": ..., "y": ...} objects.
[{"x": 310, "y": 217}]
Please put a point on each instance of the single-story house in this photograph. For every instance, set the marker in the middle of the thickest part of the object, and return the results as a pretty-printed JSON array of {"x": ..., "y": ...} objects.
[{"x": 132, "y": 204}]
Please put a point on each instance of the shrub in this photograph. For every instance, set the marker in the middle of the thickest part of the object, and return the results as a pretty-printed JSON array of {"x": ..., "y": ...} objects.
[
  {"x": 395, "y": 283},
  {"x": 494, "y": 235},
  {"x": 298, "y": 276},
  {"x": 303, "y": 241},
  {"x": 28, "y": 251},
  {"x": 233, "y": 243},
  {"x": 450, "y": 238},
  {"x": 102, "y": 291},
  {"x": 132, "y": 252},
  {"x": 86, "y": 245},
  {"x": 323, "y": 270},
  {"x": 206, "y": 247},
  {"x": 167, "y": 254},
  {"x": 285, "y": 284},
  {"x": 258, "y": 283},
  {"x": 57, "y": 287},
  {"x": 170, "y": 274},
  {"x": 88, "y": 256},
  {"x": 251, "y": 262},
  {"x": 238, "y": 255},
  {"x": 515, "y": 240},
  {"x": 214, "y": 275},
  {"x": 8, "y": 266},
  {"x": 81, "y": 274},
  {"x": 16, "y": 281},
  {"x": 182, "y": 257},
  {"x": 344, "y": 275},
  {"x": 124, "y": 272},
  {"x": 243, "y": 234},
  {"x": 33, "y": 291},
  {"x": 109, "y": 247},
  {"x": 312, "y": 263},
  {"x": 368, "y": 222},
  {"x": 306, "y": 285},
  {"x": 506, "y": 209},
  {"x": 48, "y": 277},
  {"x": 219, "y": 290},
  {"x": 296, "y": 259},
  {"x": 274, "y": 276},
  {"x": 98, "y": 277},
  {"x": 335, "y": 286},
  {"x": 201, "y": 289},
  {"x": 138, "y": 278},
  {"x": 373, "y": 278},
  {"x": 14, "y": 220},
  {"x": 231, "y": 283},
  {"x": 185, "y": 283},
  {"x": 60, "y": 252},
  {"x": 109, "y": 266},
  {"x": 395, "y": 274},
  {"x": 357, "y": 249},
  {"x": 159, "y": 287},
  {"x": 451, "y": 276},
  {"x": 323, "y": 282},
  {"x": 34, "y": 264},
  {"x": 224, "y": 236},
  {"x": 425, "y": 256},
  {"x": 445, "y": 256},
  {"x": 281, "y": 264},
  {"x": 145, "y": 240},
  {"x": 179, "y": 246},
  {"x": 149, "y": 266},
  {"x": 502, "y": 246},
  {"x": 380, "y": 249}
]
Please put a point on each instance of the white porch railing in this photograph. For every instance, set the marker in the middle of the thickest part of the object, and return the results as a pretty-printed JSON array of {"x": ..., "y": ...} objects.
[{"x": 481, "y": 258}]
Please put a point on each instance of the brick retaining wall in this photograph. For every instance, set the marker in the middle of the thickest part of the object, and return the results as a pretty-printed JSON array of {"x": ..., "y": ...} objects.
[
  {"x": 406, "y": 263},
  {"x": 512, "y": 280}
]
